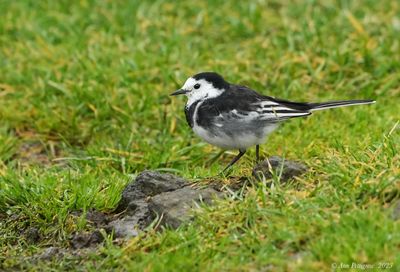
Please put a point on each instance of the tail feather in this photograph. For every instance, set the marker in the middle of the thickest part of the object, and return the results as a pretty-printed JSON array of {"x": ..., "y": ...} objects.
[{"x": 337, "y": 104}]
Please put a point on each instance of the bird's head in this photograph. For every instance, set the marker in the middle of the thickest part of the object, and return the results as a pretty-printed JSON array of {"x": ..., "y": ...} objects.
[{"x": 202, "y": 86}]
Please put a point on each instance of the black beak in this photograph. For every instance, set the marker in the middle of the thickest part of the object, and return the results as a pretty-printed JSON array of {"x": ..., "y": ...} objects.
[{"x": 180, "y": 91}]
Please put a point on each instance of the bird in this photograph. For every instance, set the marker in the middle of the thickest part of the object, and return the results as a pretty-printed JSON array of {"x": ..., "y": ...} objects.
[{"x": 236, "y": 117}]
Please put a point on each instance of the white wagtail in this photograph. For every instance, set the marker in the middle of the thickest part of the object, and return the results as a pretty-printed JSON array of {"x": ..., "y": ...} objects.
[{"x": 232, "y": 116}]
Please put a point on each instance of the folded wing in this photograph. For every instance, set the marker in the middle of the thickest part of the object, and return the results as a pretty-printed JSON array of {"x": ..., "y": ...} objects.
[{"x": 275, "y": 111}]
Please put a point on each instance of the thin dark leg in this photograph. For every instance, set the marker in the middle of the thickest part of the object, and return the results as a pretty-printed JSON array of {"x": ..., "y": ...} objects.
[
  {"x": 235, "y": 159},
  {"x": 257, "y": 153}
]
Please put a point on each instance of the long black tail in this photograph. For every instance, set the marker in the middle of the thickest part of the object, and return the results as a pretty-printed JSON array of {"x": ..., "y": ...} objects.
[{"x": 337, "y": 104}]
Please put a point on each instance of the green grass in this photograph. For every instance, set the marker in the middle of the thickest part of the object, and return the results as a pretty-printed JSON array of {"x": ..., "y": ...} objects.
[{"x": 84, "y": 105}]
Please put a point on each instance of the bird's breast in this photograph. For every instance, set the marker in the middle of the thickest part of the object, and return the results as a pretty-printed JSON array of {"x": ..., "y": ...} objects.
[{"x": 190, "y": 113}]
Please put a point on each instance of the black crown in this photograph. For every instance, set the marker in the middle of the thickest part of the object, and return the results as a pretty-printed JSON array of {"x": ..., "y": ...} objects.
[{"x": 215, "y": 79}]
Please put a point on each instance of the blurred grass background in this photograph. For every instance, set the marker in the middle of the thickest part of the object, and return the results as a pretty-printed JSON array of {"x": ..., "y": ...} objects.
[{"x": 84, "y": 106}]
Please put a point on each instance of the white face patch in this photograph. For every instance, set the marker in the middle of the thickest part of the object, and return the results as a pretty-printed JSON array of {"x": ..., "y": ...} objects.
[{"x": 206, "y": 90}]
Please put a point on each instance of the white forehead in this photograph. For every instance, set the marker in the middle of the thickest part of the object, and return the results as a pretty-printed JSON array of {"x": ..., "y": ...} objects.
[{"x": 191, "y": 81}]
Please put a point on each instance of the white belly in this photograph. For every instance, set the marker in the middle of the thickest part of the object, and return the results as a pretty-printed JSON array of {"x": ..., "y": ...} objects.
[
  {"x": 242, "y": 140},
  {"x": 233, "y": 135}
]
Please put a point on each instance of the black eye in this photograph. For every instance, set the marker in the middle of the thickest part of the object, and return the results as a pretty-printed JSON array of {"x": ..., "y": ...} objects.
[{"x": 197, "y": 86}]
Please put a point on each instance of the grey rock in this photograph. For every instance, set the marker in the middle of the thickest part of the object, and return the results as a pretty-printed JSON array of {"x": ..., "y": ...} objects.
[
  {"x": 125, "y": 227},
  {"x": 83, "y": 240},
  {"x": 290, "y": 169},
  {"x": 136, "y": 217},
  {"x": 149, "y": 183},
  {"x": 97, "y": 218},
  {"x": 175, "y": 206},
  {"x": 137, "y": 214},
  {"x": 152, "y": 194}
]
